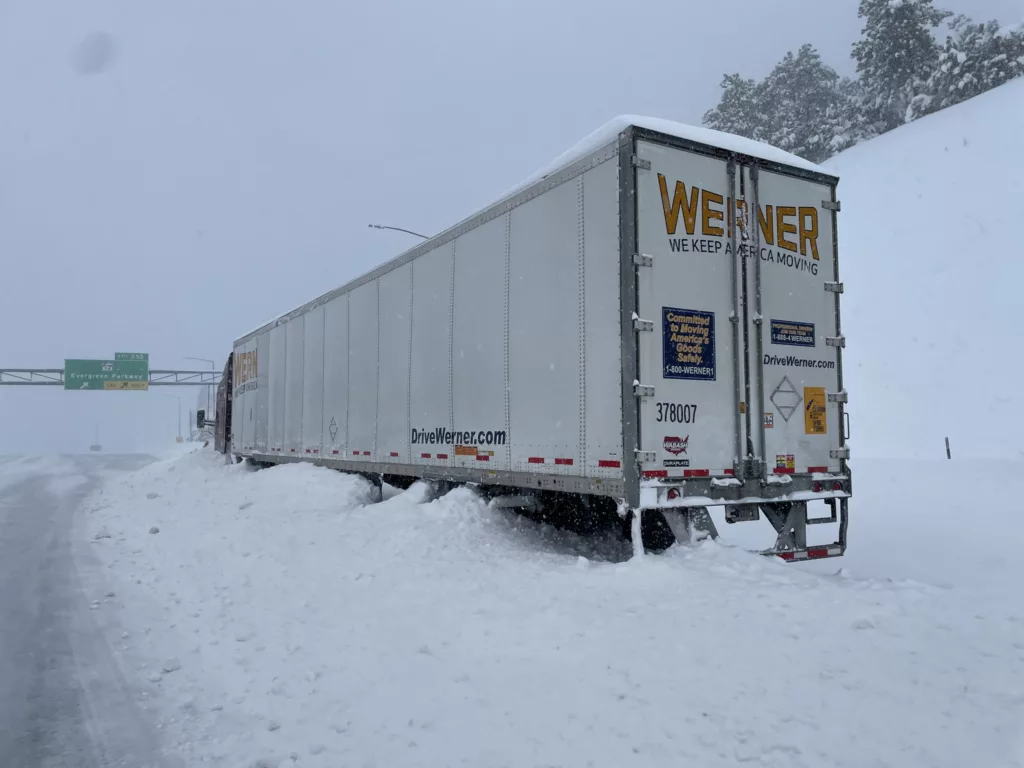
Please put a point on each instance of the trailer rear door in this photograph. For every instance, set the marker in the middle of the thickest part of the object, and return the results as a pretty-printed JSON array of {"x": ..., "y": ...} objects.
[
  {"x": 791, "y": 295},
  {"x": 737, "y": 328},
  {"x": 688, "y": 343}
]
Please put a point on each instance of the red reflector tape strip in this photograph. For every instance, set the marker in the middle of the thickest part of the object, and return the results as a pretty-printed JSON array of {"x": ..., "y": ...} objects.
[
  {"x": 424, "y": 455},
  {"x": 307, "y": 450},
  {"x": 482, "y": 458},
  {"x": 564, "y": 462},
  {"x": 817, "y": 469},
  {"x": 655, "y": 473},
  {"x": 442, "y": 455},
  {"x": 811, "y": 554},
  {"x": 609, "y": 463},
  {"x": 783, "y": 471},
  {"x": 729, "y": 471},
  {"x": 696, "y": 473},
  {"x": 335, "y": 452},
  {"x": 535, "y": 460},
  {"x": 394, "y": 453},
  {"x": 316, "y": 450}
]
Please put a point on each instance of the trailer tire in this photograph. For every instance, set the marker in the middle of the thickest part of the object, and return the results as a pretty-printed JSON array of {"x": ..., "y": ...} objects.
[{"x": 654, "y": 529}]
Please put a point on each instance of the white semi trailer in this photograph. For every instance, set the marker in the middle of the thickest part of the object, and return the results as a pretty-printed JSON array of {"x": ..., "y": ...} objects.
[{"x": 652, "y": 324}]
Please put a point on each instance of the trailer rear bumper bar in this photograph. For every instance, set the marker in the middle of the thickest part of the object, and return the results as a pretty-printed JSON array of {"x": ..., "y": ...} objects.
[
  {"x": 715, "y": 491},
  {"x": 811, "y": 553}
]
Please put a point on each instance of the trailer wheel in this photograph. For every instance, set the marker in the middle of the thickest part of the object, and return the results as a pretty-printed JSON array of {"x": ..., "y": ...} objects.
[{"x": 654, "y": 529}]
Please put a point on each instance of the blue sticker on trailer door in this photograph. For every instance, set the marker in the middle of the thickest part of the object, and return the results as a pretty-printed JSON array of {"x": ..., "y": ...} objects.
[{"x": 688, "y": 344}]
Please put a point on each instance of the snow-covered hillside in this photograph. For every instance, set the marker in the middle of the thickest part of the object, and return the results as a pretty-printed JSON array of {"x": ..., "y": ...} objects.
[
  {"x": 278, "y": 618},
  {"x": 932, "y": 258}
]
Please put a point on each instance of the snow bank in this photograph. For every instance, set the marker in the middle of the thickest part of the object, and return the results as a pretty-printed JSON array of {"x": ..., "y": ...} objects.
[
  {"x": 280, "y": 618},
  {"x": 930, "y": 255}
]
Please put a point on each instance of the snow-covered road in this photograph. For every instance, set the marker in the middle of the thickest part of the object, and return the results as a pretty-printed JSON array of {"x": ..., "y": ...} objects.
[
  {"x": 63, "y": 698},
  {"x": 279, "y": 618}
]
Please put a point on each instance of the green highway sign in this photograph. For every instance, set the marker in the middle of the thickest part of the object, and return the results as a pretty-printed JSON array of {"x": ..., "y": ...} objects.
[
  {"x": 106, "y": 374},
  {"x": 120, "y": 357}
]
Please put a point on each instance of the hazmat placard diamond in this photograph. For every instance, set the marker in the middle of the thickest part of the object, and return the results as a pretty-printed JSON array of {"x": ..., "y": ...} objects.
[
  {"x": 785, "y": 398},
  {"x": 333, "y": 429}
]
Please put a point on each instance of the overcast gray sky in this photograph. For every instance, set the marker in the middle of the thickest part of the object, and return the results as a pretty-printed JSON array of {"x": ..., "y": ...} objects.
[{"x": 223, "y": 166}]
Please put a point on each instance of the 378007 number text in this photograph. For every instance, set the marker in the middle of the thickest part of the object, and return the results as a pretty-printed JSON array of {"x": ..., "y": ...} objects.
[{"x": 676, "y": 413}]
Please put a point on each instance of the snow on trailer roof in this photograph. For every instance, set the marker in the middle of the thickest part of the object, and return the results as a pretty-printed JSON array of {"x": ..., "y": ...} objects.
[
  {"x": 591, "y": 143},
  {"x": 608, "y": 132}
]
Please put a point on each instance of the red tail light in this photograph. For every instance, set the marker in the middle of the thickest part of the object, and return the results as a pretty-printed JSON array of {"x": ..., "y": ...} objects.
[
  {"x": 837, "y": 486},
  {"x": 673, "y": 493},
  {"x": 816, "y": 487}
]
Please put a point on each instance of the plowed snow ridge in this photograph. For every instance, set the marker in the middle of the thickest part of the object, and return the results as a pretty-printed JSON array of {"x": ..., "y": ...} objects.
[{"x": 314, "y": 628}]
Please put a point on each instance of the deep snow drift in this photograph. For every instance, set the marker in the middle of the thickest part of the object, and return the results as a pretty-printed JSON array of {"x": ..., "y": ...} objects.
[
  {"x": 279, "y": 618},
  {"x": 930, "y": 251}
]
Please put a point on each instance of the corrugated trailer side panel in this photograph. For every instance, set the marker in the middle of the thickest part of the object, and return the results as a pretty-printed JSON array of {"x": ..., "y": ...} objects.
[
  {"x": 262, "y": 400},
  {"x": 478, "y": 350},
  {"x": 430, "y": 401},
  {"x": 295, "y": 330},
  {"x": 545, "y": 322},
  {"x": 393, "y": 406},
  {"x": 313, "y": 381},
  {"x": 335, "y": 417},
  {"x": 494, "y": 355},
  {"x": 362, "y": 374},
  {"x": 276, "y": 385},
  {"x": 601, "y": 318}
]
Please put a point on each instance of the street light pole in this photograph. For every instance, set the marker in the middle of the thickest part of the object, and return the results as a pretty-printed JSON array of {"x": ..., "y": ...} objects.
[
  {"x": 397, "y": 229},
  {"x": 178, "y": 398},
  {"x": 213, "y": 365}
]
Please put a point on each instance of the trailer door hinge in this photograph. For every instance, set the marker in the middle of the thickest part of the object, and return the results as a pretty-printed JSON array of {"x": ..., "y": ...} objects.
[
  {"x": 643, "y": 390},
  {"x": 639, "y": 162},
  {"x": 838, "y": 397},
  {"x": 839, "y": 453},
  {"x": 834, "y": 287},
  {"x": 830, "y": 205},
  {"x": 835, "y": 341},
  {"x": 643, "y": 260},
  {"x": 642, "y": 325},
  {"x": 645, "y": 457}
]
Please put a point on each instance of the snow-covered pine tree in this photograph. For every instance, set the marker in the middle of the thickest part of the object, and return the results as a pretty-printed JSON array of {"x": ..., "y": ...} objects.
[
  {"x": 975, "y": 58},
  {"x": 850, "y": 124},
  {"x": 738, "y": 111},
  {"x": 803, "y": 106},
  {"x": 895, "y": 56}
]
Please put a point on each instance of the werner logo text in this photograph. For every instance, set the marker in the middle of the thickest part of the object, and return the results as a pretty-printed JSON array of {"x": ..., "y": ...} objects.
[
  {"x": 709, "y": 214},
  {"x": 246, "y": 366}
]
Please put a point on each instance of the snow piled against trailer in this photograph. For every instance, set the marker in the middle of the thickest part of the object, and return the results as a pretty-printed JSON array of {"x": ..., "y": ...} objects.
[
  {"x": 930, "y": 252},
  {"x": 280, "y": 617}
]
